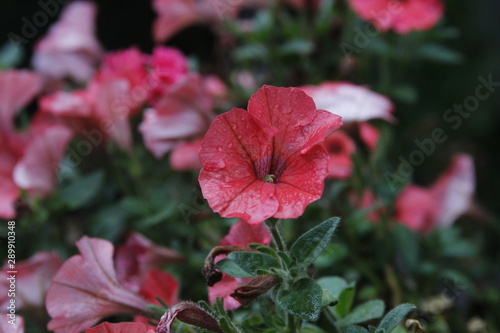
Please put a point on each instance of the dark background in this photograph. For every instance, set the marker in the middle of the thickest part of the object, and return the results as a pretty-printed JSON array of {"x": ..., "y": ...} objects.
[{"x": 128, "y": 22}]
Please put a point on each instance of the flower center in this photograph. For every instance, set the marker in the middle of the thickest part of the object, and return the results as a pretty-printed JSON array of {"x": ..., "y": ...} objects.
[{"x": 269, "y": 178}]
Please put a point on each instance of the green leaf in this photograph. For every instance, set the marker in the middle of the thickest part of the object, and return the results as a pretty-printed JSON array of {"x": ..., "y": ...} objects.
[
  {"x": 78, "y": 193},
  {"x": 394, "y": 317},
  {"x": 439, "y": 53},
  {"x": 355, "y": 329},
  {"x": 364, "y": 312},
  {"x": 345, "y": 301},
  {"x": 263, "y": 249},
  {"x": 334, "y": 284},
  {"x": 252, "y": 262},
  {"x": 310, "y": 328},
  {"x": 297, "y": 46},
  {"x": 311, "y": 244},
  {"x": 303, "y": 299},
  {"x": 231, "y": 268}
]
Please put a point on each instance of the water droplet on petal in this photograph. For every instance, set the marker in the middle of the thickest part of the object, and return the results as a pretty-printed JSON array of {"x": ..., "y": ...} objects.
[{"x": 219, "y": 148}]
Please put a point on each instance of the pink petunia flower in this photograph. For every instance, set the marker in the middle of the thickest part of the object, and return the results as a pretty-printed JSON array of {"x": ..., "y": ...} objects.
[
  {"x": 86, "y": 289},
  {"x": 6, "y": 327},
  {"x": 17, "y": 88},
  {"x": 70, "y": 49},
  {"x": 33, "y": 278},
  {"x": 423, "y": 209},
  {"x": 369, "y": 134},
  {"x": 265, "y": 162},
  {"x": 175, "y": 15},
  {"x": 241, "y": 234},
  {"x": 29, "y": 161},
  {"x": 137, "y": 256},
  {"x": 185, "y": 156},
  {"x": 121, "y": 328},
  {"x": 350, "y": 101},
  {"x": 401, "y": 16},
  {"x": 182, "y": 114},
  {"x": 340, "y": 147}
]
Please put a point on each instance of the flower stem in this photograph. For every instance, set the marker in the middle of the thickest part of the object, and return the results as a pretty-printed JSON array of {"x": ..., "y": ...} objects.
[{"x": 273, "y": 225}]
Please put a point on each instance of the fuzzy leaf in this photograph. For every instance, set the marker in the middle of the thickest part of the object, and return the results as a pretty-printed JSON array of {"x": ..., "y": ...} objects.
[
  {"x": 231, "y": 268},
  {"x": 364, "y": 312},
  {"x": 303, "y": 299},
  {"x": 394, "y": 317},
  {"x": 311, "y": 244},
  {"x": 252, "y": 262}
]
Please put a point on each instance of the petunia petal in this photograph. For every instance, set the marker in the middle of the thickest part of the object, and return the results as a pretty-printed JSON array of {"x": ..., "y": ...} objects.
[{"x": 86, "y": 289}]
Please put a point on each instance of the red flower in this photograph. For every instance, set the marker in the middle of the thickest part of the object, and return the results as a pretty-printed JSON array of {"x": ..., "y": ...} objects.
[
  {"x": 121, "y": 328},
  {"x": 402, "y": 16},
  {"x": 423, "y": 209},
  {"x": 241, "y": 234},
  {"x": 265, "y": 162},
  {"x": 86, "y": 289}
]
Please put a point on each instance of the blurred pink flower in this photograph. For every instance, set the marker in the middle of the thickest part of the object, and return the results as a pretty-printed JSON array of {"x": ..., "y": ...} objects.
[
  {"x": 37, "y": 169},
  {"x": 185, "y": 156},
  {"x": 241, "y": 234},
  {"x": 127, "y": 327},
  {"x": 33, "y": 278},
  {"x": 424, "y": 209},
  {"x": 137, "y": 256},
  {"x": 175, "y": 15},
  {"x": 168, "y": 65},
  {"x": 340, "y": 147},
  {"x": 128, "y": 64},
  {"x": 401, "y": 16},
  {"x": 350, "y": 101},
  {"x": 369, "y": 134},
  {"x": 29, "y": 161},
  {"x": 159, "y": 284},
  {"x": 17, "y": 88},
  {"x": 183, "y": 113},
  {"x": 6, "y": 327},
  {"x": 86, "y": 289},
  {"x": 70, "y": 49}
]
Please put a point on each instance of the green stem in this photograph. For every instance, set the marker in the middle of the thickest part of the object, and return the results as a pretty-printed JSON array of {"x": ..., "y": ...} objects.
[
  {"x": 293, "y": 323},
  {"x": 331, "y": 319},
  {"x": 277, "y": 239}
]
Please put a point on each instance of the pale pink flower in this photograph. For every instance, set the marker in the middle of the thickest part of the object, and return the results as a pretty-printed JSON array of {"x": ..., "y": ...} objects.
[
  {"x": 424, "y": 209},
  {"x": 350, "y": 101},
  {"x": 182, "y": 114},
  {"x": 32, "y": 280},
  {"x": 6, "y": 327},
  {"x": 70, "y": 49}
]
